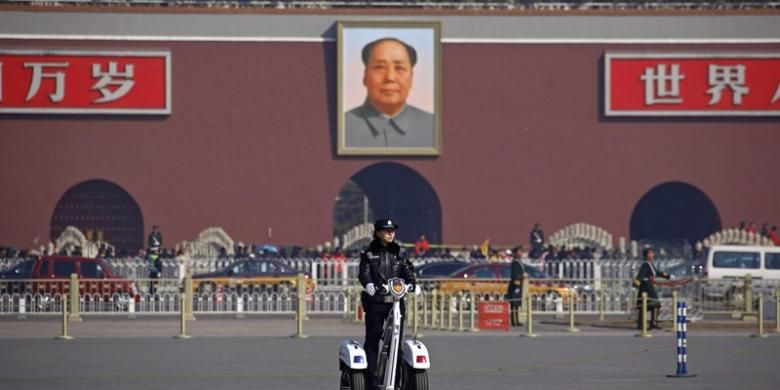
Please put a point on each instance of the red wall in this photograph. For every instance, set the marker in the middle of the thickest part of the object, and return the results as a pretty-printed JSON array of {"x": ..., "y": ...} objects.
[{"x": 250, "y": 145}]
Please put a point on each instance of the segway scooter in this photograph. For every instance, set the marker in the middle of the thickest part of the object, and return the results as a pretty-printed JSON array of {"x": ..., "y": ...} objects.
[{"x": 411, "y": 375}]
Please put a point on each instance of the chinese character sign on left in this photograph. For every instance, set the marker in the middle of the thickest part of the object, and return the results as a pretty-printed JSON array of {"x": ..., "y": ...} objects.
[{"x": 85, "y": 82}]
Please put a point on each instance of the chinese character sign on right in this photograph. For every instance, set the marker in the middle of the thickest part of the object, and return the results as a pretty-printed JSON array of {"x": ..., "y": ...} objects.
[{"x": 692, "y": 84}]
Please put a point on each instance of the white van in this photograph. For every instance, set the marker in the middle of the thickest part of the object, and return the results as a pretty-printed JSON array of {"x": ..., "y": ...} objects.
[{"x": 737, "y": 261}]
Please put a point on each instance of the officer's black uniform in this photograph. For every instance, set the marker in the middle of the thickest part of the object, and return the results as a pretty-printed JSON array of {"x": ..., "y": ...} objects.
[
  {"x": 515, "y": 289},
  {"x": 644, "y": 281},
  {"x": 378, "y": 263}
]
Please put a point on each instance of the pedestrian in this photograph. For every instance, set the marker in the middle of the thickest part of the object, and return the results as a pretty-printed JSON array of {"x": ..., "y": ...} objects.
[
  {"x": 537, "y": 241},
  {"x": 645, "y": 282},
  {"x": 515, "y": 287},
  {"x": 773, "y": 236},
  {"x": 155, "y": 240},
  {"x": 382, "y": 260},
  {"x": 421, "y": 247}
]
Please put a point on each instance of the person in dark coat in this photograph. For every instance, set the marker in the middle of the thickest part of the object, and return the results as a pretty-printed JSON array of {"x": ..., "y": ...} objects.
[
  {"x": 536, "y": 239},
  {"x": 645, "y": 282},
  {"x": 382, "y": 260},
  {"x": 515, "y": 287}
]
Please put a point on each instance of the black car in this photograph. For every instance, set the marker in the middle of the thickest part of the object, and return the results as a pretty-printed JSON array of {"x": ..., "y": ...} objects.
[
  {"x": 251, "y": 276},
  {"x": 438, "y": 269}
]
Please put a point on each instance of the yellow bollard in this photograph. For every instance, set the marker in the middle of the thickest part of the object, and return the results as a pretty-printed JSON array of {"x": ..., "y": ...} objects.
[
  {"x": 472, "y": 313},
  {"x": 643, "y": 316},
  {"x": 425, "y": 310},
  {"x": 777, "y": 311},
  {"x": 747, "y": 312},
  {"x": 441, "y": 311},
  {"x": 572, "y": 329},
  {"x": 460, "y": 312},
  {"x": 415, "y": 315},
  {"x": 183, "y": 319},
  {"x": 190, "y": 292},
  {"x": 449, "y": 313},
  {"x": 64, "y": 335},
  {"x": 74, "y": 299},
  {"x": 300, "y": 311},
  {"x": 529, "y": 320},
  {"x": 761, "y": 333},
  {"x": 433, "y": 309},
  {"x": 674, "y": 306}
]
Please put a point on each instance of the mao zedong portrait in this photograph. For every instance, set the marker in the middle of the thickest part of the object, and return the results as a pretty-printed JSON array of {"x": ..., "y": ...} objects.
[{"x": 385, "y": 119}]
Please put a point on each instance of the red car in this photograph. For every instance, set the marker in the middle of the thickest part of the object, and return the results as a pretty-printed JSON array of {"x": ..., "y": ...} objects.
[{"x": 50, "y": 275}]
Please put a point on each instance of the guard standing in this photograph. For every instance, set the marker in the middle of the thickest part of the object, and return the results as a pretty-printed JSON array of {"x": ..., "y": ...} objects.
[
  {"x": 515, "y": 288},
  {"x": 382, "y": 260},
  {"x": 645, "y": 281}
]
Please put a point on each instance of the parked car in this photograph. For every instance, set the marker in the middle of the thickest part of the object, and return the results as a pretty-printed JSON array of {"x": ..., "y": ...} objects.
[
  {"x": 493, "y": 279},
  {"x": 438, "y": 269},
  {"x": 50, "y": 275},
  {"x": 252, "y": 276}
]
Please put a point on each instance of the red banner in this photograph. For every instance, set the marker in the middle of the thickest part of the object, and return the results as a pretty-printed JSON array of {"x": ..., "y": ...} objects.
[
  {"x": 692, "y": 84},
  {"x": 494, "y": 315},
  {"x": 85, "y": 82}
]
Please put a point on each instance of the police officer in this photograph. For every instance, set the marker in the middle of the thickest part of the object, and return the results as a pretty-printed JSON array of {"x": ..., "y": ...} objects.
[
  {"x": 383, "y": 259},
  {"x": 645, "y": 281},
  {"x": 515, "y": 288}
]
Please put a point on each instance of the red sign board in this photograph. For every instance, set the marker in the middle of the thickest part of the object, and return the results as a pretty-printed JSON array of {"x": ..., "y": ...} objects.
[
  {"x": 494, "y": 315},
  {"x": 85, "y": 82},
  {"x": 692, "y": 84}
]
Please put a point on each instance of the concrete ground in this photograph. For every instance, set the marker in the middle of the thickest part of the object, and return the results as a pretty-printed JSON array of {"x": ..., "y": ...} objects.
[{"x": 258, "y": 353}]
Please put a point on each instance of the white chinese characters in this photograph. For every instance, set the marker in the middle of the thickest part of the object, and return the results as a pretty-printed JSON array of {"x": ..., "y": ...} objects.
[
  {"x": 722, "y": 77},
  {"x": 38, "y": 75},
  {"x": 664, "y": 83},
  {"x": 662, "y": 87},
  {"x": 112, "y": 84},
  {"x": 112, "y": 77}
]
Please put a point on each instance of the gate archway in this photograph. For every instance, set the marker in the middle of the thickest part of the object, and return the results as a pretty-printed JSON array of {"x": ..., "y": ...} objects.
[
  {"x": 396, "y": 191},
  {"x": 674, "y": 210},
  {"x": 102, "y": 210}
]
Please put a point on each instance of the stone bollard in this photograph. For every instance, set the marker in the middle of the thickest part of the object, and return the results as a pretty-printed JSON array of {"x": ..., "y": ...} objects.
[
  {"x": 572, "y": 329},
  {"x": 22, "y": 308},
  {"x": 602, "y": 304},
  {"x": 472, "y": 313}
]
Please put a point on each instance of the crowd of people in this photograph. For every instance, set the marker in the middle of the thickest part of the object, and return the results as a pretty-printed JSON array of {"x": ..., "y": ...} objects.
[{"x": 538, "y": 249}]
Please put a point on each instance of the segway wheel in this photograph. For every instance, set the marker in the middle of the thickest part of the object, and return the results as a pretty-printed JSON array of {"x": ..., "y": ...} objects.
[
  {"x": 416, "y": 380},
  {"x": 352, "y": 380}
]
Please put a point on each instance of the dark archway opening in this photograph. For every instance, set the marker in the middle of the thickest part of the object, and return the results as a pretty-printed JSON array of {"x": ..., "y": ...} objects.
[
  {"x": 102, "y": 211},
  {"x": 395, "y": 191},
  {"x": 674, "y": 212}
]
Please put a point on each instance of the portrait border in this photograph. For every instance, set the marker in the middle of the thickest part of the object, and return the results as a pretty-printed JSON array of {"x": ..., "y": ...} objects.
[{"x": 342, "y": 149}]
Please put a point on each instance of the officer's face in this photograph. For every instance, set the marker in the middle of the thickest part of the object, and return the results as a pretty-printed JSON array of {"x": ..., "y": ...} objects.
[
  {"x": 387, "y": 235},
  {"x": 388, "y": 77},
  {"x": 650, "y": 256}
]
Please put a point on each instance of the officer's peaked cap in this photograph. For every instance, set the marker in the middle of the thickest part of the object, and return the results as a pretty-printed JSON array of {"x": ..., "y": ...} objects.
[{"x": 384, "y": 223}]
